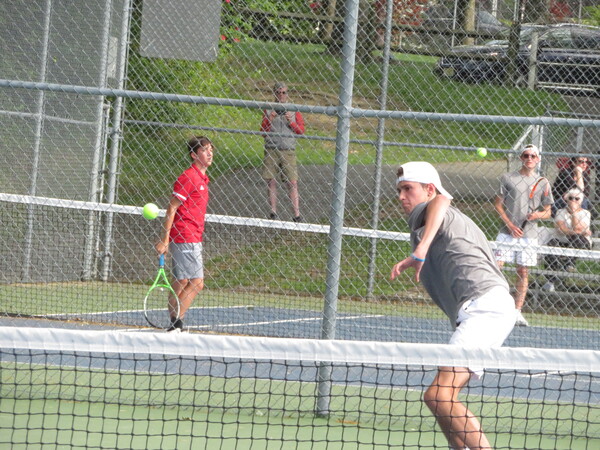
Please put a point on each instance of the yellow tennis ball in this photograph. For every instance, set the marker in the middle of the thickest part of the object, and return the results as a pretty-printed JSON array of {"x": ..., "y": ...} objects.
[
  {"x": 482, "y": 152},
  {"x": 150, "y": 211}
]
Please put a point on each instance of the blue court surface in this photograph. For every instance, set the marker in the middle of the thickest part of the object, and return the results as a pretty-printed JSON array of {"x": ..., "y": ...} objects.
[{"x": 295, "y": 323}]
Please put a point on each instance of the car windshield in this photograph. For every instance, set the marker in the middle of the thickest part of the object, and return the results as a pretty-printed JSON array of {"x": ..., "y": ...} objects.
[
  {"x": 557, "y": 37},
  {"x": 524, "y": 37}
]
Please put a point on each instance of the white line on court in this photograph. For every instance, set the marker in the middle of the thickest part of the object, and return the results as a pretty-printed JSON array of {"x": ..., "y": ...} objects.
[
  {"x": 141, "y": 311},
  {"x": 270, "y": 322}
]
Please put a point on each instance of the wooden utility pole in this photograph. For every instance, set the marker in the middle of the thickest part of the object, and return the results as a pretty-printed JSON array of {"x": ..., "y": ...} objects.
[{"x": 513, "y": 45}]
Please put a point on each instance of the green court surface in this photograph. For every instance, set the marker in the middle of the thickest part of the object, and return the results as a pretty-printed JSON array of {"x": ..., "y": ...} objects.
[{"x": 43, "y": 406}]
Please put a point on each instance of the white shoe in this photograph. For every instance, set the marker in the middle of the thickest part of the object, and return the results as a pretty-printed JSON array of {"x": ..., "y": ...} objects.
[
  {"x": 548, "y": 287},
  {"x": 521, "y": 322}
]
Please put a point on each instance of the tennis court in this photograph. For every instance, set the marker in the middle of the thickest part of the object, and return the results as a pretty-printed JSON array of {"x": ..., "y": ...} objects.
[
  {"x": 253, "y": 320},
  {"x": 299, "y": 340},
  {"x": 140, "y": 390}
]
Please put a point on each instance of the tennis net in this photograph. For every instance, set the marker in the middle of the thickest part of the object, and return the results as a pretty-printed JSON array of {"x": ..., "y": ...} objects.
[{"x": 97, "y": 389}]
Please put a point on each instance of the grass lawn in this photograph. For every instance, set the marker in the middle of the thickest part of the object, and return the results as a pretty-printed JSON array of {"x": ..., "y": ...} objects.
[{"x": 412, "y": 87}]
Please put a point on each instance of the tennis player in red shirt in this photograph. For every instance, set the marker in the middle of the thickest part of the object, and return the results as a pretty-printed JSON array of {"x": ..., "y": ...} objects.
[{"x": 184, "y": 227}]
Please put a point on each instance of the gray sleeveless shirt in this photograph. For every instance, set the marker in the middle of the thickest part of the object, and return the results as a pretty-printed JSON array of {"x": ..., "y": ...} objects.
[{"x": 460, "y": 264}]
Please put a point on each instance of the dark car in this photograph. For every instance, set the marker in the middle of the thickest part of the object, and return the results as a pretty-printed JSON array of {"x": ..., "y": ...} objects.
[{"x": 568, "y": 57}]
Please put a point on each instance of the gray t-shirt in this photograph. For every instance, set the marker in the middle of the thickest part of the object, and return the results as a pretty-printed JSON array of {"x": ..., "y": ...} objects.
[
  {"x": 284, "y": 137},
  {"x": 514, "y": 190},
  {"x": 460, "y": 264}
]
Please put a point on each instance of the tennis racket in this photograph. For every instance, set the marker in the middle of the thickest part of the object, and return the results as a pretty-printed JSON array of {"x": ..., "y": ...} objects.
[
  {"x": 531, "y": 201},
  {"x": 161, "y": 302}
]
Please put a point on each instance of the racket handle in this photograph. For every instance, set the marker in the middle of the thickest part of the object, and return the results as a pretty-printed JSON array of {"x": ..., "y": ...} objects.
[{"x": 161, "y": 260}]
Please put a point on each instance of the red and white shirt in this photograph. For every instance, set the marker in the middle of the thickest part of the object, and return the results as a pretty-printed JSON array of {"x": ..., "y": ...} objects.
[{"x": 192, "y": 189}]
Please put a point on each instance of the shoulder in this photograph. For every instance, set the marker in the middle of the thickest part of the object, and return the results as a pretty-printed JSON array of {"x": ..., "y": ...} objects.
[
  {"x": 510, "y": 176},
  {"x": 191, "y": 175},
  {"x": 511, "y": 180},
  {"x": 185, "y": 174}
]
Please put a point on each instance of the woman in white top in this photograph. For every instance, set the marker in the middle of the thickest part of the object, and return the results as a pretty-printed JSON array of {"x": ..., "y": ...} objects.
[{"x": 572, "y": 226}]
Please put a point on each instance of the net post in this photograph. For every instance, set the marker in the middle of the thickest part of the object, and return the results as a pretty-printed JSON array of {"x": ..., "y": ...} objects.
[
  {"x": 334, "y": 251},
  {"x": 324, "y": 390}
]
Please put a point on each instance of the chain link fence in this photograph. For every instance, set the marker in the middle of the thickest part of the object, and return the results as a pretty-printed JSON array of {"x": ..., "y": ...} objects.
[{"x": 98, "y": 103}]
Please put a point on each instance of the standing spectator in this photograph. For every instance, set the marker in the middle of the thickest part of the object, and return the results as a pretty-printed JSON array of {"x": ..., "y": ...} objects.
[
  {"x": 280, "y": 151},
  {"x": 454, "y": 260},
  {"x": 574, "y": 174},
  {"x": 572, "y": 231},
  {"x": 520, "y": 228},
  {"x": 183, "y": 228}
]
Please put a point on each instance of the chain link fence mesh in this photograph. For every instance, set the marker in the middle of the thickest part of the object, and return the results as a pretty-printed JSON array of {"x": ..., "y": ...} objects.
[{"x": 86, "y": 118}]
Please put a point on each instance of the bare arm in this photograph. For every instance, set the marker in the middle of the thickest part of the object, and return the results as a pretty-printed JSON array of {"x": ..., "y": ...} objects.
[
  {"x": 579, "y": 226},
  {"x": 563, "y": 228},
  {"x": 162, "y": 246},
  {"x": 515, "y": 231},
  {"x": 434, "y": 216},
  {"x": 578, "y": 177},
  {"x": 544, "y": 213}
]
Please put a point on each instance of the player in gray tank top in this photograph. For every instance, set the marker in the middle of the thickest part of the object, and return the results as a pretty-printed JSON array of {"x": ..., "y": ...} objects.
[{"x": 455, "y": 263}]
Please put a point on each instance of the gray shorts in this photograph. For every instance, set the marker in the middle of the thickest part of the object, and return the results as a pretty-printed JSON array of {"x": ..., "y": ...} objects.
[{"x": 187, "y": 260}]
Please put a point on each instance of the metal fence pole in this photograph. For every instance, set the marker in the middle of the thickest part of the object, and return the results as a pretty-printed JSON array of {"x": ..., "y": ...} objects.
[
  {"x": 340, "y": 171},
  {"x": 35, "y": 163},
  {"x": 92, "y": 234},
  {"x": 115, "y": 136},
  {"x": 385, "y": 68}
]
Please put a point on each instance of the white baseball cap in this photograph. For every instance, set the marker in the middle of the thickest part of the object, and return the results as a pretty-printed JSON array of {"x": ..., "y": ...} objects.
[
  {"x": 532, "y": 148},
  {"x": 422, "y": 172}
]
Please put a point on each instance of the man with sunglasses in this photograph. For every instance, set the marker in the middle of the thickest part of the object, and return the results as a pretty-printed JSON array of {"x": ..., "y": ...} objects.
[
  {"x": 280, "y": 128},
  {"x": 521, "y": 202}
]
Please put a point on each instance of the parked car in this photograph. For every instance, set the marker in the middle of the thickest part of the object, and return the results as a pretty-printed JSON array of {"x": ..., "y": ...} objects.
[{"x": 568, "y": 57}]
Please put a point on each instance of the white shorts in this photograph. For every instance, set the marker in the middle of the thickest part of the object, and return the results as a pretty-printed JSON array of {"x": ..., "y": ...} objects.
[
  {"x": 485, "y": 322},
  {"x": 522, "y": 257}
]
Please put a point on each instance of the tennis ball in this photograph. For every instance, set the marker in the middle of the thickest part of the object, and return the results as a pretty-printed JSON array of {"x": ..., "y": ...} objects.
[
  {"x": 482, "y": 152},
  {"x": 150, "y": 211}
]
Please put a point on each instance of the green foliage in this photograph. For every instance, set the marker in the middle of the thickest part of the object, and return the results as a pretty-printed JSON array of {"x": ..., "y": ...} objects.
[
  {"x": 237, "y": 25},
  {"x": 593, "y": 12}
]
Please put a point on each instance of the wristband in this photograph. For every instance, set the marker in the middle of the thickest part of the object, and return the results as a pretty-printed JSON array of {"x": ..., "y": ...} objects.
[{"x": 417, "y": 259}]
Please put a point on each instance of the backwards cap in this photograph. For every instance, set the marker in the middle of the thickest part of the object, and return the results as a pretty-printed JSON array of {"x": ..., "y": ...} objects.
[
  {"x": 422, "y": 172},
  {"x": 532, "y": 148}
]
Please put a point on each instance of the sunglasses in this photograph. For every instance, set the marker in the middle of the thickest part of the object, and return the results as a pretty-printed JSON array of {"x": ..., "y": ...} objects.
[
  {"x": 582, "y": 161},
  {"x": 571, "y": 198},
  {"x": 528, "y": 156},
  {"x": 280, "y": 92}
]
